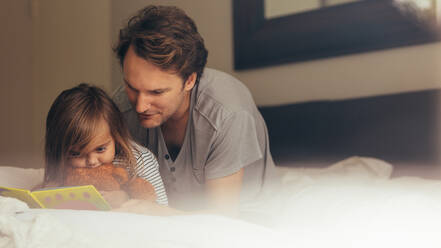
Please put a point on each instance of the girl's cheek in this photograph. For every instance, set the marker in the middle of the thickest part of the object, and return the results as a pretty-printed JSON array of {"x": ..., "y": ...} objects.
[{"x": 76, "y": 163}]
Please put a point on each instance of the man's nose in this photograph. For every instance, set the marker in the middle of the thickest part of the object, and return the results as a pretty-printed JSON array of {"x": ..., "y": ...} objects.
[{"x": 143, "y": 103}]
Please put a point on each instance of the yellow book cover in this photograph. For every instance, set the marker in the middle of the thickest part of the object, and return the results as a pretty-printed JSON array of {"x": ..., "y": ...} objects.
[{"x": 77, "y": 197}]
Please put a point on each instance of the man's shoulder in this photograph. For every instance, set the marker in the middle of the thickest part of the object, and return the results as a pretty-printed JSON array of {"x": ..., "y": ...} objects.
[
  {"x": 223, "y": 89},
  {"x": 221, "y": 96},
  {"x": 121, "y": 100}
]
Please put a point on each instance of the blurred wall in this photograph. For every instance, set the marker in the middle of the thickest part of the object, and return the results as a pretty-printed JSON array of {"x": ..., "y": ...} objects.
[
  {"x": 15, "y": 82},
  {"x": 381, "y": 72},
  {"x": 72, "y": 43},
  {"x": 47, "y": 46}
]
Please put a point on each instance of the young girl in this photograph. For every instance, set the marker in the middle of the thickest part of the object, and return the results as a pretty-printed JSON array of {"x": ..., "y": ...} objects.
[{"x": 84, "y": 128}]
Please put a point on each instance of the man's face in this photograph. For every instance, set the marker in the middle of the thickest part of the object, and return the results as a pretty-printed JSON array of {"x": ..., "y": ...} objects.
[{"x": 156, "y": 95}]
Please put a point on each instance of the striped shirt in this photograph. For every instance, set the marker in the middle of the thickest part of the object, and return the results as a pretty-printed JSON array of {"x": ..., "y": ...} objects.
[{"x": 147, "y": 167}]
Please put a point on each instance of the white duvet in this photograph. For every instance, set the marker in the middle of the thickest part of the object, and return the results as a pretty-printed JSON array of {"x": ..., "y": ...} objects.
[{"x": 353, "y": 203}]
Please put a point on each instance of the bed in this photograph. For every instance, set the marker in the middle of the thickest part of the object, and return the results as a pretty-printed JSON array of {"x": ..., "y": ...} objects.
[
  {"x": 343, "y": 192},
  {"x": 352, "y": 203}
]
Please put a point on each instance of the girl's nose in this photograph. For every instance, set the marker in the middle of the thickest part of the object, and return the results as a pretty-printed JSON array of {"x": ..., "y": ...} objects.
[{"x": 92, "y": 161}]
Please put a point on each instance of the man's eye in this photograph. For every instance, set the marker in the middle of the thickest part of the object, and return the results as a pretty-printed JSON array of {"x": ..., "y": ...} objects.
[
  {"x": 131, "y": 89},
  {"x": 101, "y": 149},
  {"x": 157, "y": 92},
  {"x": 128, "y": 86}
]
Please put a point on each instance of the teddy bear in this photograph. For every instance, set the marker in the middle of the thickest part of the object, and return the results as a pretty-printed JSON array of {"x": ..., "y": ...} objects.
[{"x": 108, "y": 177}]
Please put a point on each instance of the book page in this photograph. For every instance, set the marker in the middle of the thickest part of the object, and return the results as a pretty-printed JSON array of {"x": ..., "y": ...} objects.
[
  {"x": 79, "y": 197},
  {"x": 22, "y": 195}
]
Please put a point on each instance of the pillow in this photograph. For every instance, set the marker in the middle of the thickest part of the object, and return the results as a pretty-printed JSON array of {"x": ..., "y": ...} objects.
[
  {"x": 354, "y": 168},
  {"x": 23, "y": 178}
]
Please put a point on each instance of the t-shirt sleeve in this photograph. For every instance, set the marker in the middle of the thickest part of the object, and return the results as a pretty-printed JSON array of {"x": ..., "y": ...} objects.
[
  {"x": 147, "y": 167},
  {"x": 235, "y": 146}
]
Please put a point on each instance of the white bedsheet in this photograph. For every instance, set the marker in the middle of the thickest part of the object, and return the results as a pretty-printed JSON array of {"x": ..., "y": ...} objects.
[
  {"x": 70, "y": 228},
  {"x": 23, "y": 227},
  {"x": 353, "y": 203}
]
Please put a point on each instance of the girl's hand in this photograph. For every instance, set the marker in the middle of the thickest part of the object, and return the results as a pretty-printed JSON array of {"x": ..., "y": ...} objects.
[{"x": 115, "y": 198}]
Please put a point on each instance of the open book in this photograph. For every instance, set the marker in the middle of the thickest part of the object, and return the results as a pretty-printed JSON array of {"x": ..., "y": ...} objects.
[{"x": 77, "y": 197}]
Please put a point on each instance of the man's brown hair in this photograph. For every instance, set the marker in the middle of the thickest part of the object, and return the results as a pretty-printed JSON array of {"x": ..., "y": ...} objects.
[{"x": 166, "y": 37}]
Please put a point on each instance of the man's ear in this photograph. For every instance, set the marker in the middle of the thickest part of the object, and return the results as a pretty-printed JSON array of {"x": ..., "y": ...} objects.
[{"x": 190, "y": 82}]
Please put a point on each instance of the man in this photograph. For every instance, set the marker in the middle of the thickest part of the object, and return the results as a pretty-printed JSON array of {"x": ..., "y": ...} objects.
[{"x": 203, "y": 125}]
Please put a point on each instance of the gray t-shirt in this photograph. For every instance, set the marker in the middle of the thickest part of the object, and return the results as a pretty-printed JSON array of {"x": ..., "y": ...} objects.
[{"x": 225, "y": 132}]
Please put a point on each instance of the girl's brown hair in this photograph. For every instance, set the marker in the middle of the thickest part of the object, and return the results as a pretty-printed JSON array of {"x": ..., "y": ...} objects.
[
  {"x": 72, "y": 121},
  {"x": 166, "y": 37}
]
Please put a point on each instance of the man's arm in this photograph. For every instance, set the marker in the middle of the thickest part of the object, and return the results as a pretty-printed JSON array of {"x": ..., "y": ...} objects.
[
  {"x": 223, "y": 196},
  {"x": 223, "y": 193}
]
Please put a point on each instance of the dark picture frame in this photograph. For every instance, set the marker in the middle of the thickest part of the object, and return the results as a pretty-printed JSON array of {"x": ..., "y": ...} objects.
[{"x": 338, "y": 30}]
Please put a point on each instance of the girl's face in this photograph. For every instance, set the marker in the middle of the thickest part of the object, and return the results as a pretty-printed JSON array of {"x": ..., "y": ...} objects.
[{"x": 100, "y": 150}]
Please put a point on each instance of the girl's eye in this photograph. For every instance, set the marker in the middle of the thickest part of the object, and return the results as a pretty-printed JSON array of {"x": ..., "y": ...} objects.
[
  {"x": 74, "y": 154},
  {"x": 101, "y": 149}
]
